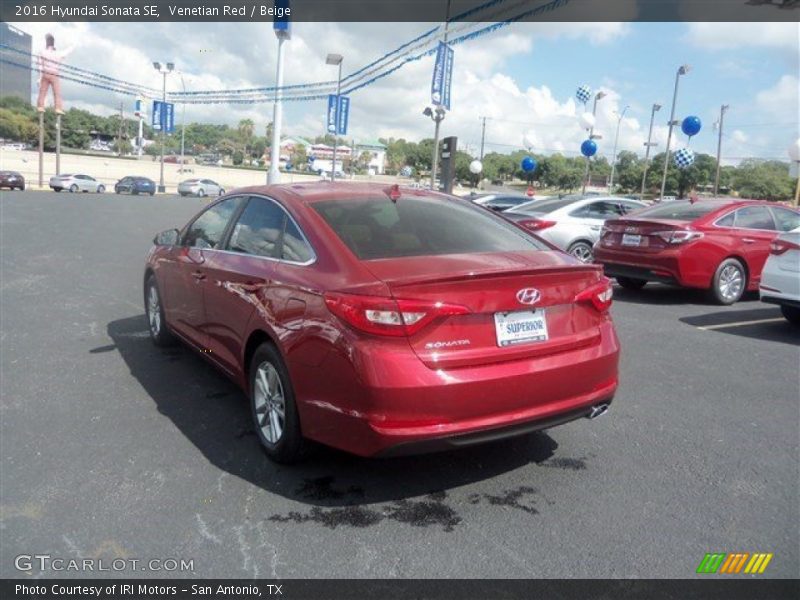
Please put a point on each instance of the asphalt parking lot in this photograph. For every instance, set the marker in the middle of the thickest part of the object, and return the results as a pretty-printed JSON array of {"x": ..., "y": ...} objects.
[{"x": 112, "y": 448}]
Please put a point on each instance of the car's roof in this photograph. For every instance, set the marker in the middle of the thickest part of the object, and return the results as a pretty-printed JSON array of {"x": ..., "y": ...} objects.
[{"x": 320, "y": 191}]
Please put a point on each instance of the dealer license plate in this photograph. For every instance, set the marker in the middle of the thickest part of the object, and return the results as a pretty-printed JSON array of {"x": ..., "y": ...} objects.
[
  {"x": 520, "y": 327},
  {"x": 631, "y": 240}
]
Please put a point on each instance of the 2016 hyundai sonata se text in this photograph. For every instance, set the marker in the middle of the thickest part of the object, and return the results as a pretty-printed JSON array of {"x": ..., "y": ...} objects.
[{"x": 383, "y": 320}]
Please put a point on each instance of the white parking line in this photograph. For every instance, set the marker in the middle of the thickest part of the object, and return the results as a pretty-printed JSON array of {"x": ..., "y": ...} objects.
[{"x": 740, "y": 324}]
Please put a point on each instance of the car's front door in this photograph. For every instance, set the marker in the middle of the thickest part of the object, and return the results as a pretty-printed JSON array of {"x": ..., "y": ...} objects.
[
  {"x": 754, "y": 229},
  {"x": 240, "y": 279},
  {"x": 188, "y": 276}
]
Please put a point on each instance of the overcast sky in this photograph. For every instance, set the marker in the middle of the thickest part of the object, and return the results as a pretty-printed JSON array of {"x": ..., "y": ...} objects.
[{"x": 523, "y": 77}]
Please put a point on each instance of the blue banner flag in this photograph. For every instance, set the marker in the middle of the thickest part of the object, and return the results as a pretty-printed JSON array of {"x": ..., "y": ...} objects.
[
  {"x": 442, "y": 76},
  {"x": 169, "y": 117},
  {"x": 343, "y": 115},
  {"x": 155, "y": 122}
]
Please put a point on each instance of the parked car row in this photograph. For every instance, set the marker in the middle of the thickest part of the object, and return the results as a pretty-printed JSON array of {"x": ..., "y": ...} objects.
[{"x": 132, "y": 184}]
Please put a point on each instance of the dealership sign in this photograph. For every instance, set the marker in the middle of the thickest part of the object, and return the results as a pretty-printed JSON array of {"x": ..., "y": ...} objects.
[{"x": 442, "y": 76}]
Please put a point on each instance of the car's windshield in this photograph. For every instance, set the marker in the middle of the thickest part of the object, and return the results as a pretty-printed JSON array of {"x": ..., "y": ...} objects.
[
  {"x": 678, "y": 211},
  {"x": 419, "y": 226}
]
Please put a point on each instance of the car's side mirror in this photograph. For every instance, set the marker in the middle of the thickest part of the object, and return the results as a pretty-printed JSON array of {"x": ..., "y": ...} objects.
[{"x": 167, "y": 238}]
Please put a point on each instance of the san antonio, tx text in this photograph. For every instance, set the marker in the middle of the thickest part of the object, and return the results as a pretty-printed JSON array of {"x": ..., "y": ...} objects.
[{"x": 125, "y": 589}]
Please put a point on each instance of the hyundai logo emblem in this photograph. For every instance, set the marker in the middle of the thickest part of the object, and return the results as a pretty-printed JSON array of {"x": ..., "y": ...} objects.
[{"x": 528, "y": 296}]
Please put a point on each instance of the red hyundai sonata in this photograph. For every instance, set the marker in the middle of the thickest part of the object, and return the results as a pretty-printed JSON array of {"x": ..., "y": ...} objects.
[
  {"x": 382, "y": 320},
  {"x": 717, "y": 245}
]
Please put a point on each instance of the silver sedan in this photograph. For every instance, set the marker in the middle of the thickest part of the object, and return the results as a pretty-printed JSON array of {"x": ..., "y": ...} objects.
[
  {"x": 572, "y": 223},
  {"x": 76, "y": 183},
  {"x": 200, "y": 187}
]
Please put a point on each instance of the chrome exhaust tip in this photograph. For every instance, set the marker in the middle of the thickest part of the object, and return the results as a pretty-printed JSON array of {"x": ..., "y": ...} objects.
[{"x": 597, "y": 411}]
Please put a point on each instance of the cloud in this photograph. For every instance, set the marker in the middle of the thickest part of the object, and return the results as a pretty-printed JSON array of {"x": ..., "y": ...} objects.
[
  {"x": 723, "y": 36},
  {"x": 781, "y": 102}
]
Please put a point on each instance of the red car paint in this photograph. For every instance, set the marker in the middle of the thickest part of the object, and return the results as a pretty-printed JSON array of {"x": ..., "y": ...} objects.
[
  {"x": 685, "y": 252},
  {"x": 369, "y": 388}
]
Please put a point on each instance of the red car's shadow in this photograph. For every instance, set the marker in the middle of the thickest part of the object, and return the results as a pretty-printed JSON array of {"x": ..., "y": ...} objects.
[
  {"x": 214, "y": 415},
  {"x": 658, "y": 293}
]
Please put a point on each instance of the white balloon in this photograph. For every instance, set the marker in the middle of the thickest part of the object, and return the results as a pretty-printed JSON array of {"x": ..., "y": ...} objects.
[
  {"x": 794, "y": 151},
  {"x": 586, "y": 120},
  {"x": 528, "y": 141},
  {"x": 475, "y": 167}
]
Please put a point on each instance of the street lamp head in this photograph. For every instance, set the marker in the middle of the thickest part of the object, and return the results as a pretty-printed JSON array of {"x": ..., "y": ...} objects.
[
  {"x": 428, "y": 112},
  {"x": 157, "y": 65},
  {"x": 170, "y": 67},
  {"x": 684, "y": 69},
  {"x": 334, "y": 59},
  {"x": 601, "y": 95},
  {"x": 656, "y": 107}
]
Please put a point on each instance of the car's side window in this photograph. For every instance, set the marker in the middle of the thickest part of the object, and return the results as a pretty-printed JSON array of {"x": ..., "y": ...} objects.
[
  {"x": 787, "y": 220},
  {"x": 207, "y": 230},
  {"x": 627, "y": 207},
  {"x": 754, "y": 217},
  {"x": 295, "y": 247},
  {"x": 259, "y": 229},
  {"x": 598, "y": 210},
  {"x": 727, "y": 220}
]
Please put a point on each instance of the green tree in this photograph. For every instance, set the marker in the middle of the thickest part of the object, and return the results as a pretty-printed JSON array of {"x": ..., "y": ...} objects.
[{"x": 764, "y": 180}]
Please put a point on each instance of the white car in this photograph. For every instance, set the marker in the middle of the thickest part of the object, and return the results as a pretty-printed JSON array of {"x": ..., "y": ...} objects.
[
  {"x": 572, "y": 223},
  {"x": 76, "y": 183},
  {"x": 780, "y": 279},
  {"x": 200, "y": 187}
]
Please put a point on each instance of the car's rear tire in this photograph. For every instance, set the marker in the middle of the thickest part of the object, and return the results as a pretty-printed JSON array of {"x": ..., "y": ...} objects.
[
  {"x": 582, "y": 251},
  {"x": 154, "y": 310},
  {"x": 729, "y": 282},
  {"x": 221, "y": 192},
  {"x": 101, "y": 189},
  {"x": 630, "y": 283},
  {"x": 271, "y": 394},
  {"x": 73, "y": 188},
  {"x": 201, "y": 193},
  {"x": 152, "y": 193},
  {"x": 791, "y": 314},
  {"x": 56, "y": 189}
]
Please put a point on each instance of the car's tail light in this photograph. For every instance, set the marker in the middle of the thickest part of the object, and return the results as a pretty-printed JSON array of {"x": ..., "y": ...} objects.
[
  {"x": 679, "y": 236},
  {"x": 388, "y": 316},
  {"x": 778, "y": 247},
  {"x": 536, "y": 224},
  {"x": 599, "y": 295}
]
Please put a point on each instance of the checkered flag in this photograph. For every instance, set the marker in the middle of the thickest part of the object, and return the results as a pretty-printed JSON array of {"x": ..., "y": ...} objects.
[
  {"x": 583, "y": 94},
  {"x": 684, "y": 158}
]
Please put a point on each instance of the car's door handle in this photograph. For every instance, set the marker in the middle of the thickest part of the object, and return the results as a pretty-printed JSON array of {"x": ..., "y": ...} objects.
[
  {"x": 748, "y": 240},
  {"x": 198, "y": 276},
  {"x": 595, "y": 227}
]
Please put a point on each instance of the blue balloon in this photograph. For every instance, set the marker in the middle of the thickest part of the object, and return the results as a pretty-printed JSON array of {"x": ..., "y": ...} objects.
[
  {"x": 691, "y": 126},
  {"x": 528, "y": 164},
  {"x": 589, "y": 148}
]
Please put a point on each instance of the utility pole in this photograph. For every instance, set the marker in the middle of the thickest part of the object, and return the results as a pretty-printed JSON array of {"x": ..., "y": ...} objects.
[
  {"x": 592, "y": 136},
  {"x": 483, "y": 136},
  {"x": 119, "y": 130},
  {"x": 649, "y": 144},
  {"x": 722, "y": 110}
]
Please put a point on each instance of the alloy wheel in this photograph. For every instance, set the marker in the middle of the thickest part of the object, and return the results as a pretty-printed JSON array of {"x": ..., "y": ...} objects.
[
  {"x": 154, "y": 311},
  {"x": 582, "y": 252},
  {"x": 270, "y": 405},
  {"x": 731, "y": 282}
]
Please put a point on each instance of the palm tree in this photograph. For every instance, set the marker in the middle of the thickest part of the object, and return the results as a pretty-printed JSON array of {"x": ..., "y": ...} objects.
[{"x": 246, "y": 129}]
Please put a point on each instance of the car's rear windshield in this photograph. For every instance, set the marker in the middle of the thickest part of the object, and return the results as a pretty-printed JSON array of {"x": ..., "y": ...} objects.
[
  {"x": 678, "y": 211},
  {"x": 376, "y": 227}
]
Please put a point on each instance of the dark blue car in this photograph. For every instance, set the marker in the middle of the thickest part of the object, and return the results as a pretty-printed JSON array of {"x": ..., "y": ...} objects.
[{"x": 135, "y": 185}]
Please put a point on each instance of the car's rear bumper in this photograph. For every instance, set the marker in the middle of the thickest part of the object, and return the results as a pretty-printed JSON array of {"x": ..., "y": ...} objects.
[
  {"x": 392, "y": 404},
  {"x": 664, "y": 267}
]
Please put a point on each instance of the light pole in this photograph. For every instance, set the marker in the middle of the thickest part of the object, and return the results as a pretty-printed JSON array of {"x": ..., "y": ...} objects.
[
  {"x": 183, "y": 124},
  {"x": 336, "y": 60},
  {"x": 164, "y": 70},
  {"x": 648, "y": 145},
  {"x": 437, "y": 116},
  {"x": 722, "y": 110},
  {"x": 683, "y": 70},
  {"x": 614, "y": 159},
  {"x": 597, "y": 96},
  {"x": 274, "y": 173}
]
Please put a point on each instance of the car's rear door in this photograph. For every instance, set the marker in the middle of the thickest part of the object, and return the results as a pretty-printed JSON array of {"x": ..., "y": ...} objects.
[
  {"x": 754, "y": 230},
  {"x": 240, "y": 278}
]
